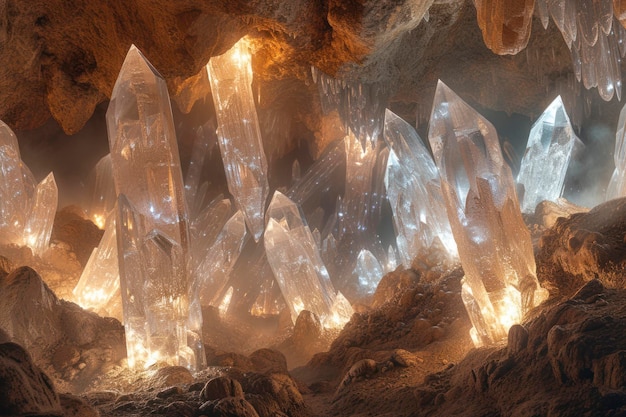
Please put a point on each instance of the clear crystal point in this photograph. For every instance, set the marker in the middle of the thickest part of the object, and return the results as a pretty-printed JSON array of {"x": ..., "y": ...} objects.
[
  {"x": 103, "y": 196},
  {"x": 297, "y": 265},
  {"x": 239, "y": 135},
  {"x": 547, "y": 156},
  {"x": 493, "y": 242},
  {"x": 41, "y": 219}
]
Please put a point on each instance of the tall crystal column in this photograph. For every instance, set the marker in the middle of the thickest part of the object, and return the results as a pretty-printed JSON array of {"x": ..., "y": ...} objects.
[
  {"x": 493, "y": 242},
  {"x": 617, "y": 186},
  {"x": 103, "y": 196},
  {"x": 17, "y": 187},
  {"x": 414, "y": 192},
  {"x": 298, "y": 267},
  {"x": 547, "y": 156},
  {"x": 153, "y": 258},
  {"x": 239, "y": 135}
]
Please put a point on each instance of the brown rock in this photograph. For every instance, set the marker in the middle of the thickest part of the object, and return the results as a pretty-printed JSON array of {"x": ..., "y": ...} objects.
[
  {"x": 221, "y": 387},
  {"x": 74, "y": 406},
  {"x": 268, "y": 361},
  {"x": 169, "y": 376},
  {"x": 234, "y": 407}
]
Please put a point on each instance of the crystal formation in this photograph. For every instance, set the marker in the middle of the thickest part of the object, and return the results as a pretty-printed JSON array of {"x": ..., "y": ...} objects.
[
  {"x": 103, "y": 196},
  {"x": 414, "y": 192},
  {"x": 239, "y": 135},
  {"x": 41, "y": 218},
  {"x": 298, "y": 267},
  {"x": 369, "y": 270},
  {"x": 152, "y": 221},
  {"x": 547, "y": 156},
  {"x": 617, "y": 186},
  {"x": 493, "y": 242},
  {"x": 505, "y": 24}
]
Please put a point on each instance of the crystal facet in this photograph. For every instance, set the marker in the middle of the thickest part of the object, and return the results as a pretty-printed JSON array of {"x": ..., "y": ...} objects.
[
  {"x": 41, "y": 218},
  {"x": 103, "y": 196},
  {"x": 239, "y": 135},
  {"x": 617, "y": 186},
  {"x": 493, "y": 242},
  {"x": 298, "y": 267},
  {"x": 548, "y": 152}
]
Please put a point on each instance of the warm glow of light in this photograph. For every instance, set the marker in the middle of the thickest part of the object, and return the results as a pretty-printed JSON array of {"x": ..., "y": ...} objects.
[
  {"x": 509, "y": 311},
  {"x": 99, "y": 220},
  {"x": 298, "y": 305},
  {"x": 240, "y": 53},
  {"x": 335, "y": 321},
  {"x": 93, "y": 298},
  {"x": 223, "y": 308}
]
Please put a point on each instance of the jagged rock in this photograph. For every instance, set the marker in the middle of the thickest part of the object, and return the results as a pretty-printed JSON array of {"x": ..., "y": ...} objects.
[
  {"x": 25, "y": 389},
  {"x": 518, "y": 338},
  {"x": 234, "y": 407},
  {"x": 80, "y": 234},
  {"x": 74, "y": 406},
  {"x": 274, "y": 394},
  {"x": 221, "y": 387},
  {"x": 393, "y": 283},
  {"x": 170, "y": 375},
  {"x": 307, "y": 330},
  {"x": 268, "y": 361}
]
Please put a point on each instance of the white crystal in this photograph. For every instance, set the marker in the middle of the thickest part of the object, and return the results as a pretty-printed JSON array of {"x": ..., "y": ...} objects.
[
  {"x": 493, "y": 242},
  {"x": 368, "y": 270},
  {"x": 297, "y": 265},
  {"x": 547, "y": 156},
  {"x": 239, "y": 134},
  {"x": 414, "y": 192},
  {"x": 103, "y": 196},
  {"x": 617, "y": 186},
  {"x": 41, "y": 218},
  {"x": 206, "y": 226}
]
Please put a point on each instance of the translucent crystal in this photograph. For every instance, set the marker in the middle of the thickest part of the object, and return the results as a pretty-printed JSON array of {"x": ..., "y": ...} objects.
[
  {"x": 239, "y": 135},
  {"x": 297, "y": 265},
  {"x": 505, "y": 24},
  {"x": 205, "y": 140},
  {"x": 41, "y": 218},
  {"x": 152, "y": 223},
  {"x": 368, "y": 270},
  {"x": 414, "y": 192},
  {"x": 103, "y": 196},
  {"x": 100, "y": 281},
  {"x": 617, "y": 186},
  {"x": 547, "y": 156},
  {"x": 493, "y": 242},
  {"x": 206, "y": 227},
  {"x": 215, "y": 268},
  {"x": 16, "y": 189}
]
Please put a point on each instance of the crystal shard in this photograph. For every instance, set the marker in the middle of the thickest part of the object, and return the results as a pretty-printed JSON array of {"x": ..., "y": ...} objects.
[
  {"x": 239, "y": 135},
  {"x": 547, "y": 156},
  {"x": 152, "y": 221},
  {"x": 368, "y": 270},
  {"x": 100, "y": 281},
  {"x": 414, "y": 192},
  {"x": 493, "y": 242},
  {"x": 41, "y": 217},
  {"x": 298, "y": 267},
  {"x": 214, "y": 270},
  {"x": 103, "y": 196},
  {"x": 505, "y": 24},
  {"x": 617, "y": 186},
  {"x": 16, "y": 189}
]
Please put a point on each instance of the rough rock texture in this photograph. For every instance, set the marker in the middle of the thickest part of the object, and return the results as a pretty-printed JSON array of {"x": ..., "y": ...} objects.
[{"x": 81, "y": 235}]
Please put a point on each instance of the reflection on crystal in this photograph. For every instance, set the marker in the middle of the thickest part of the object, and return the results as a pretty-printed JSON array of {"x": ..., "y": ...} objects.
[
  {"x": 103, "y": 197},
  {"x": 493, "y": 242},
  {"x": 414, "y": 192},
  {"x": 206, "y": 226},
  {"x": 41, "y": 218},
  {"x": 100, "y": 281},
  {"x": 298, "y": 267},
  {"x": 548, "y": 152},
  {"x": 368, "y": 270},
  {"x": 239, "y": 135},
  {"x": 505, "y": 24},
  {"x": 152, "y": 221},
  {"x": 195, "y": 191},
  {"x": 617, "y": 186}
]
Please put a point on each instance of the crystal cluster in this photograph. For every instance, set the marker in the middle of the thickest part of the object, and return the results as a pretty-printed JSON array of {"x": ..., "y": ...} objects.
[
  {"x": 27, "y": 209},
  {"x": 152, "y": 223},
  {"x": 548, "y": 152},
  {"x": 298, "y": 267},
  {"x": 493, "y": 242},
  {"x": 414, "y": 192},
  {"x": 239, "y": 135},
  {"x": 617, "y": 186},
  {"x": 505, "y": 24}
]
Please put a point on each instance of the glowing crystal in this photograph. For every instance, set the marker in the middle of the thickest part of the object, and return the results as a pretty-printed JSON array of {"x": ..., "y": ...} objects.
[
  {"x": 548, "y": 152},
  {"x": 298, "y": 267},
  {"x": 103, "y": 196},
  {"x": 368, "y": 270},
  {"x": 493, "y": 242},
  {"x": 239, "y": 135},
  {"x": 414, "y": 192},
  {"x": 41, "y": 218},
  {"x": 617, "y": 186}
]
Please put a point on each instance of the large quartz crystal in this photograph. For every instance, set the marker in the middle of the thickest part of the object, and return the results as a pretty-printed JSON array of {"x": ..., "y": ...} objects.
[
  {"x": 493, "y": 242},
  {"x": 298, "y": 267},
  {"x": 152, "y": 222},
  {"x": 548, "y": 152},
  {"x": 617, "y": 186},
  {"x": 103, "y": 196},
  {"x": 414, "y": 192},
  {"x": 239, "y": 135}
]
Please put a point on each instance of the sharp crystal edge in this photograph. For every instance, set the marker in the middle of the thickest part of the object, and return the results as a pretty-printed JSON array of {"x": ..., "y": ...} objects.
[
  {"x": 414, "y": 192},
  {"x": 41, "y": 218},
  {"x": 103, "y": 196},
  {"x": 239, "y": 135},
  {"x": 152, "y": 221},
  {"x": 297, "y": 265},
  {"x": 617, "y": 185},
  {"x": 494, "y": 244},
  {"x": 548, "y": 152}
]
